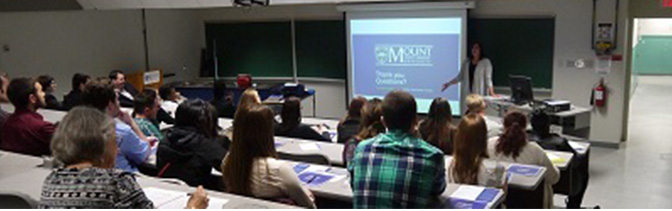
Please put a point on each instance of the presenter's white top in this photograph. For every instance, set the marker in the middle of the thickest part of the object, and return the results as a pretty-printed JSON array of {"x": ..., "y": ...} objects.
[{"x": 482, "y": 77}]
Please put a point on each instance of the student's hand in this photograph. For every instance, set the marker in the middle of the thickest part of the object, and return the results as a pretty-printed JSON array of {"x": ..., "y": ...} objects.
[
  {"x": 198, "y": 199},
  {"x": 152, "y": 140},
  {"x": 125, "y": 117}
]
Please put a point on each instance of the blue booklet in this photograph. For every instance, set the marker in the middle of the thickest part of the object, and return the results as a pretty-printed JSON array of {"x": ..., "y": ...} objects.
[
  {"x": 313, "y": 178},
  {"x": 484, "y": 198},
  {"x": 279, "y": 144},
  {"x": 298, "y": 168},
  {"x": 465, "y": 204},
  {"x": 523, "y": 170}
]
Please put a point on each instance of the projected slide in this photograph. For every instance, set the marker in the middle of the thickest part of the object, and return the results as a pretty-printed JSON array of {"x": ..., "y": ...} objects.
[{"x": 417, "y": 55}]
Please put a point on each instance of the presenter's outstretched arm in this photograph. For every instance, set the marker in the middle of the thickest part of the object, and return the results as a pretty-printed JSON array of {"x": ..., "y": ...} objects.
[{"x": 450, "y": 83}]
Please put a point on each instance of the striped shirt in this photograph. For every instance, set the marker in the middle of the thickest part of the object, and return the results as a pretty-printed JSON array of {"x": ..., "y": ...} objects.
[{"x": 92, "y": 188}]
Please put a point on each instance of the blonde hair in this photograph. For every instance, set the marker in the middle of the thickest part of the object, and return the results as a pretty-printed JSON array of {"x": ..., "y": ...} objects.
[{"x": 475, "y": 103}]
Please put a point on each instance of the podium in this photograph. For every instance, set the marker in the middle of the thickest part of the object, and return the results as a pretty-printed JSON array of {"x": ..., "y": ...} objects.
[{"x": 146, "y": 79}]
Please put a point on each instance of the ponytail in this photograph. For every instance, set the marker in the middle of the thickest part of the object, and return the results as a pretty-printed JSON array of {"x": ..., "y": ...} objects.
[{"x": 514, "y": 138}]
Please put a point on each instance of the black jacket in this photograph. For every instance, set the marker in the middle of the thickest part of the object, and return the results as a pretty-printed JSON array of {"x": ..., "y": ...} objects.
[
  {"x": 224, "y": 108},
  {"x": 189, "y": 156},
  {"x": 52, "y": 102},
  {"x": 302, "y": 131},
  {"x": 72, "y": 99},
  {"x": 552, "y": 142},
  {"x": 348, "y": 129}
]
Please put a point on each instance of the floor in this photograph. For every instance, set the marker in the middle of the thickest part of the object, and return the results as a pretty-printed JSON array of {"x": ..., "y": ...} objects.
[{"x": 639, "y": 175}]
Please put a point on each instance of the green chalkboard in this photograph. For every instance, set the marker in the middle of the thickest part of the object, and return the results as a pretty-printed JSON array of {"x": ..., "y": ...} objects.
[
  {"x": 516, "y": 47},
  {"x": 263, "y": 49},
  {"x": 321, "y": 49},
  {"x": 651, "y": 55}
]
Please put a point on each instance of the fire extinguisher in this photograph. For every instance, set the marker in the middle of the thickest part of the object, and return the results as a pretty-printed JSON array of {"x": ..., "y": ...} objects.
[{"x": 599, "y": 94}]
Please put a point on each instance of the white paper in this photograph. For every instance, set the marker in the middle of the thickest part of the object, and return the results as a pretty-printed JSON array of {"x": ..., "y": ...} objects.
[
  {"x": 181, "y": 203},
  {"x": 467, "y": 192},
  {"x": 316, "y": 168},
  {"x": 309, "y": 147},
  {"x": 552, "y": 156},
  {"x": 162, "y": 196},
  {"x": 576, "y": 146},
  {"x": 338, "y": 178}
]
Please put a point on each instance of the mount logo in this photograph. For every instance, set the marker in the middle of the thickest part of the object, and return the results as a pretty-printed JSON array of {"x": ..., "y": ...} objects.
[{"x": 403, "y": 55}]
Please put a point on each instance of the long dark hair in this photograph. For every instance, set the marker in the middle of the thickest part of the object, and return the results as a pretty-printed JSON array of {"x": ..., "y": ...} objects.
[
  {"x": 197, "y": 114},
  {"x": 514, "y": 138},
  {"x": 252, "y": 139},
  {"x": 471, "y": 56},
  {"x": 371, "y": 124},
  {"x": 437, "y": 128},
  {"x": 355, "y": 109},
  {"x": 290, "y": 114},
  {"x": 469, "y": 149}
]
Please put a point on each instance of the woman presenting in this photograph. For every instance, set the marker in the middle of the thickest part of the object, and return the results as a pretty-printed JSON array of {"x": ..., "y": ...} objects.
[{"x": 475, "y": 74}]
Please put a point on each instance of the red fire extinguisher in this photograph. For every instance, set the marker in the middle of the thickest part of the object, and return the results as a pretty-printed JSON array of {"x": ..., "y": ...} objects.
[{"x": 600, "y": 94}]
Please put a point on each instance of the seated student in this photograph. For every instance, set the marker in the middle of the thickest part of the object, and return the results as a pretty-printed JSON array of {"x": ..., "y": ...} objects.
[
  {"x": 74, "y": 98},
  {"x": 372, "y": 125},
  {"x": 470, "y": 148},
  {"x": 25, "y": 131},
  {"x": 349, "y": 126},
  {"x": 192, "y": 147},
  {"x": 171, "y": 99},
  {"x": 291, "y": 123},
  {"x": 252, "y": 169},
  {"x": 249, "y": 98},
  {"x": 222, "y": 100},
  {"x": 48, "y": 87},
  {"x": 476, "y": 105},
  {"x": 4, "y": 83},
  {"x": 437, "y": 128},
  {"x": 512, "y": 146},
  {"x": 84, "y": 142},
  {"x": 134, "y": 147},
  {"x": 125, "y": 91},
  {"x": 396, "y": 169},
  {"x": 147, "y": 105},
  {"x": 541, "y": 134}
]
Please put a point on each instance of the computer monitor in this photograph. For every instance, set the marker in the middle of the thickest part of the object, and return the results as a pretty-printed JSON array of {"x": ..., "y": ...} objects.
[{"x": 521, "y": 89}]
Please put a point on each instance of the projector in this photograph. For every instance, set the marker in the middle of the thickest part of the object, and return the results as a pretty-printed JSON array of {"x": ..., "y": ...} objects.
[
  {"x": 250, "y": 3},
  {"x": 554, "y": 106}
]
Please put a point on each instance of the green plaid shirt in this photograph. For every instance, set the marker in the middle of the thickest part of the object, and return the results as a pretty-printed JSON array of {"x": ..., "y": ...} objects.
[
  {"x": 148, "y": 128},
  {"x": 396, "y": 170}
]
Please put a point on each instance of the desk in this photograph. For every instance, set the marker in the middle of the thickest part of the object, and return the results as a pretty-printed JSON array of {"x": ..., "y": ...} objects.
[
  {"x": 30, "y": 183},
  {"x": 332, "y": 123},
  {"x": 560, "y": 159},
  {"x": 333, "y": 151},
  {"x": 339, "y": 187},
  {"x": 575, "y": 121},
  {"x": 14, "y": 163}
]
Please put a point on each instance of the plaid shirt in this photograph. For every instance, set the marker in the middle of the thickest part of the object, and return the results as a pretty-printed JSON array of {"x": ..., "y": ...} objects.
[
  {"x": 148, "y": 128},
  {"x": 396, "y": 170}
]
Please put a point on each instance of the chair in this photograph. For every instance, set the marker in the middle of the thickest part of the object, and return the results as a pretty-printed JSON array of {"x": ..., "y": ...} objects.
[
  {"x": 307, "y": 158},
  {"x": 13, "y": 200}
]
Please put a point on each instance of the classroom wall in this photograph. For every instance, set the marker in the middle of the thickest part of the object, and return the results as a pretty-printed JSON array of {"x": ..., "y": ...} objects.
[
  {"x": 572, "y": 41},
  {"x": 64, "y": 43},
  {"x": 330, "y": 94},
  {"x": 175, "y": 37}
]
